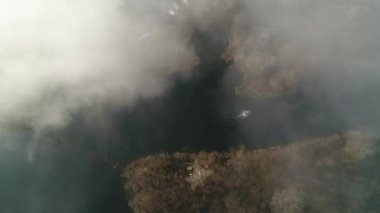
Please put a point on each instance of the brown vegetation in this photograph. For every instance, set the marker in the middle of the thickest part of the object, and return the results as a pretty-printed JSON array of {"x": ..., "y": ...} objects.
[
  {"x": 279, "y": 179},
  {"x": 268, "y": 66}
]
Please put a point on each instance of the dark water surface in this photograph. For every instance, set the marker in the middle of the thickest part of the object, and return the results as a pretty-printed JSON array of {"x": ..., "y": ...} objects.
[{"x": 195, "y": 114}]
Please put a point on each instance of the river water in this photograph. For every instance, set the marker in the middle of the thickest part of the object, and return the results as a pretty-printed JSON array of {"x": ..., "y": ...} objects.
[{"x": 196, "y": 113}]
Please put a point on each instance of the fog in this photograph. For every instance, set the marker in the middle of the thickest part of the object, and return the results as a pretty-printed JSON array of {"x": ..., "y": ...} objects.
[
  {"x": 137, "y": 73},
  {"x": 63, "y": 57}
]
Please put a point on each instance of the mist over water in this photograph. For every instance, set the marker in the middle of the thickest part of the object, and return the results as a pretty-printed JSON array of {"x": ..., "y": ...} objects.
[{"x": 112, "y": 79}]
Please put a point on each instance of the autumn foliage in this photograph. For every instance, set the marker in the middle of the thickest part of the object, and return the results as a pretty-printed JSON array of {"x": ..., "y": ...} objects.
[{"x": 279, "y": 179}]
